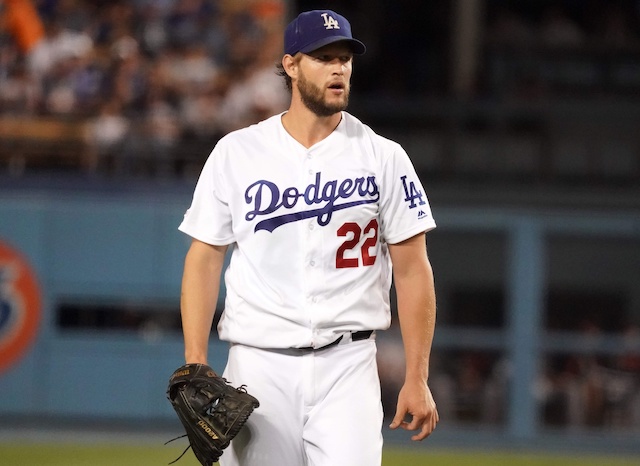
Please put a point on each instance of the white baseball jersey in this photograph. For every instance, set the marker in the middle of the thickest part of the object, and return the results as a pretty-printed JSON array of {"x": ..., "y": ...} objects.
[{"x": 309, "y": 229}]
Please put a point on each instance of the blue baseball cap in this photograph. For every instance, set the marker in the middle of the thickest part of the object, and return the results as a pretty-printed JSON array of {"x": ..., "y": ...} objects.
[{"x": 314, "y": 29}]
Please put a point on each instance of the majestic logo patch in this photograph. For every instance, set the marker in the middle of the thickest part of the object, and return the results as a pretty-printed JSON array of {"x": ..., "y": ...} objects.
[
  {"x": 411, "y": 193},
  {"x": 266, "y": 198},
  {"x": 330, "y": 22}
]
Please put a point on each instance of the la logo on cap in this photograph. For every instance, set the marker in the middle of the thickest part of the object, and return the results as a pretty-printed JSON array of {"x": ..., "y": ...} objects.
[
  {"x": 330, "y": 22},
  {"x": 314, "y": 29}
]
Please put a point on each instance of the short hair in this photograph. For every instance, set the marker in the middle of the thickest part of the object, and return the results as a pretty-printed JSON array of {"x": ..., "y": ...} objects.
[
  {"x": 280, "y": 71},
  {"x": 287, "y": 79}
]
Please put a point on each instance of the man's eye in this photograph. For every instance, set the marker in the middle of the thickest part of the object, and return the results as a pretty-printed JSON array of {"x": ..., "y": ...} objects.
[{"x": 328, "y": 58}]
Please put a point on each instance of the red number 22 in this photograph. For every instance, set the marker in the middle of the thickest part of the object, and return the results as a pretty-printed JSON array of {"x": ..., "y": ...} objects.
[{"x": 349, "y": 244}]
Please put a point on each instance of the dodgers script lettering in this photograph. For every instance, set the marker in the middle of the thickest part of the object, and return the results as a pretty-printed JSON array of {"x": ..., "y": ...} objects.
[{"x": 265, "y": 197}]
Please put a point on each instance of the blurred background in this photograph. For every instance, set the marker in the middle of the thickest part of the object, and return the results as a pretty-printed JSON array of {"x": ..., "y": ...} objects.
[{"x": 522, "y": 119}]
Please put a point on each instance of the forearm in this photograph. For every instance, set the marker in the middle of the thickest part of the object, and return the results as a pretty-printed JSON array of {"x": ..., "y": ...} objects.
[
  {"x": 413, "y": 279},
  {"x": 200, "y": 288},
  {"x": 417, "y": 316}
]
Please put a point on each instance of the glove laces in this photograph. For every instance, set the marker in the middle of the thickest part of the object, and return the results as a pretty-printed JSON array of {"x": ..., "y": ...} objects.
[{"x": 185, "y": 450}]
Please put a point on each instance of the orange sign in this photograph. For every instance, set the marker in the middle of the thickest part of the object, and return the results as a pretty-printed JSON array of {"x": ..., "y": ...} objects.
[{"x": 19, "y": 306}]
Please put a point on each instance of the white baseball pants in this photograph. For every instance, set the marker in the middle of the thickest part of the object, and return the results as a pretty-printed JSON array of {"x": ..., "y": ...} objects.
[{"x": 317, "y": 408}]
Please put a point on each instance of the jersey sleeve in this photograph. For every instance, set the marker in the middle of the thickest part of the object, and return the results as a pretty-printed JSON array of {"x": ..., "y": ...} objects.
[
  {"x": 404, "y": 206},
  {"x": 208, "y": 219}
]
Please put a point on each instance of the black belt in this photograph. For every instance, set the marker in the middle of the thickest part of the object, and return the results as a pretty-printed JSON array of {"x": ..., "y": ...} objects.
[{"x": 355, "y": 336}]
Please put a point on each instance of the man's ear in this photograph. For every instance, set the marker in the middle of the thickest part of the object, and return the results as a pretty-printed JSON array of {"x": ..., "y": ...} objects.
[{"x": 290, "y": 65}]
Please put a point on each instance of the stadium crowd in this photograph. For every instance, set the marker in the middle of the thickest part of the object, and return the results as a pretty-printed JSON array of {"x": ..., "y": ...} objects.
[
  {"x": 154, "y": 83},
  {"x": 142, "y": 76}
]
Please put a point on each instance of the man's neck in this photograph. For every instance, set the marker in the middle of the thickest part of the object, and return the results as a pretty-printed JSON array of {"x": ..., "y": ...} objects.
[{"x": 308, "y": 128}]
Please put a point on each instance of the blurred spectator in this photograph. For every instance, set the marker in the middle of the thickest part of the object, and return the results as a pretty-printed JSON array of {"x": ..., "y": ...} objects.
[
  {"x": 58, "y": 46},
  {"x": 74, "y": 15},
  {"x": 560, "y": 394},
  {"x": 256, "y": 91},
  {"x": 129, "y": 77},
  {"x": 162, "y": 132},
  {"x": 19, "y": 91},
  {"x": 629, "y": 360},
  {"x": 187, "y": 69},
  {"x": 151, "y": 29},
  {"x": 149, "y": 146},
  {"x": 106, "y": 134},
  {"x": 200, "y": 114},
  {"x": 184, "y": 23},
  {"x": 470, "y": 384}
]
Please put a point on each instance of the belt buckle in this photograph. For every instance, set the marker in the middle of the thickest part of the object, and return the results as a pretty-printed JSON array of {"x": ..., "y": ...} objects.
[
  {"x": 355, "y": 336},
  {"x": 361, "y": 335}
]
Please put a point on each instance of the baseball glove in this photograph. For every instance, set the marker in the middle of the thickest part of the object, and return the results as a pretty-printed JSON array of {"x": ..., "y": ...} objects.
[{"x": 211, "y": 410}]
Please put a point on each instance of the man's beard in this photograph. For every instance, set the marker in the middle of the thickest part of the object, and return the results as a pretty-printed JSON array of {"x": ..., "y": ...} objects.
[{"x": 313, "y": 98}]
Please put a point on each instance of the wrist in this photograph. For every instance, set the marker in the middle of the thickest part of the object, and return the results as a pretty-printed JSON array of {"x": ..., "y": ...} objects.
[
  {"x": 195, "y": 358},
  {"x": 417, "y": 375}
]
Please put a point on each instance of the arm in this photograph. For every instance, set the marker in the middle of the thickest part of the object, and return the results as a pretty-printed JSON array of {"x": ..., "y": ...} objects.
[
  {"x": 200, "y": 288},
  {"x": 415, "y": 291}
]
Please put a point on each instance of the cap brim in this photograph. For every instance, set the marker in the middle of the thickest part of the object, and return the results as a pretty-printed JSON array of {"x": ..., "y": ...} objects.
[{"x": 357, "y": 47}]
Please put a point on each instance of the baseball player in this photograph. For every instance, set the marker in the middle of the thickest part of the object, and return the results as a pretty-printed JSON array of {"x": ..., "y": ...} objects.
[{"x": 314, "y": 207}]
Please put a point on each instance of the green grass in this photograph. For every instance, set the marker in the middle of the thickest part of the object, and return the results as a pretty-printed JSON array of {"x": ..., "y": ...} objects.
[
  {"x": 439, "y": 458},
  {"x": 39, "y": 454}
]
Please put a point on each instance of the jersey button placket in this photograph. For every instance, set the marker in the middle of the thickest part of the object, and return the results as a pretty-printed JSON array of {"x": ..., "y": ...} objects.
[
  {"x": 313, "y": 270},
  {"x": 309, "y": 165},
  {"x": 311, "y": 262}
]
